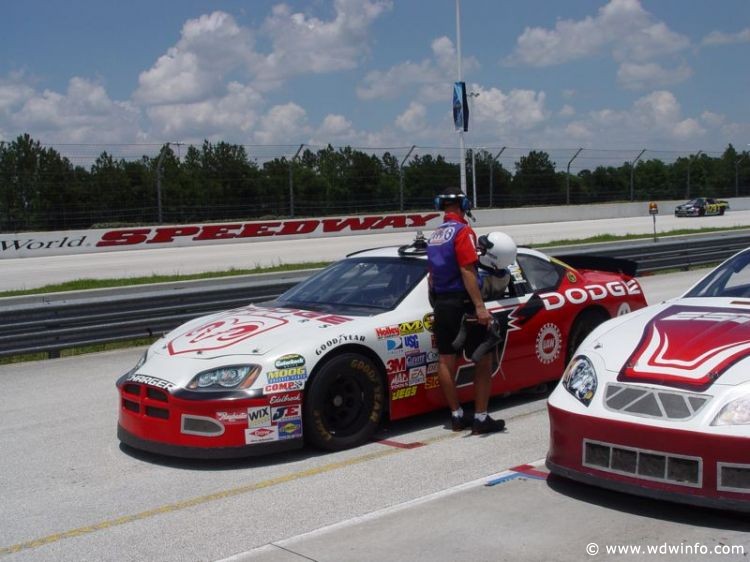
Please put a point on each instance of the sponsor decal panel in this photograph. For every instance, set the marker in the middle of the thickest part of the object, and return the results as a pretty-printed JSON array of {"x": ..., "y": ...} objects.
[
  {"x": 417, "y": 376},
  {"x": 289, "y": 361},
  {"x": 387, "y": 332},
  {"x": 411, "y": 342},
  {"x": 261, "y": 434},
  {"x": 399, "y": 380},
  {"x": 232, "y": 417},
  {"x": 285, "y": 386},
  {"x": 285, "y": 413},
  {"x": 406, "y": 392},
  {"x": 222, "y": 333},
  {"x": 151, "y": 381},
  {"x": 415, "y": 360},
  {"x": 432, "y": 368},
  {"x": 396, "y": 365},
  {"x": 290, "y": 429},
  {"x": 282, "y": 375},
  {"x": 689, "y": 347},
  {"x": 414, "y": 327},
  {"x": 259, "y": 416},
  {"x": 548, "y": 343},
  {"x": 293, "y": 397},
  {"x": 394, "y": 346},
  {"x": 428, "y": 321},
  {"x": 431, "y": 382}
]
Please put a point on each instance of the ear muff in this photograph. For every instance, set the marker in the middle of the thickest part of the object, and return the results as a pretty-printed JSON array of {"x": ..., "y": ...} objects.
[
  {"x": 438, "y": 203},
  {"x": 465, "y": 204},
  {"x": 462, "y": 200}
]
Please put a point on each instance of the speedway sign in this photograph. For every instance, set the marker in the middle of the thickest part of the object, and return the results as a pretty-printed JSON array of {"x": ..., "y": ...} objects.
[{"x": 35, "y": 244}]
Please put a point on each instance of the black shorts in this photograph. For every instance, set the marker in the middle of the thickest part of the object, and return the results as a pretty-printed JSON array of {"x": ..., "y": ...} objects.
[{"x": 449, "y": 312}]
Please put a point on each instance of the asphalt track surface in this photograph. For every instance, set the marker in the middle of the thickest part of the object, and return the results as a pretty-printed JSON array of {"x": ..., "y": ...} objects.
[
  {"x": 29, "y": 273},
  {"x": 417, "y": 492}
]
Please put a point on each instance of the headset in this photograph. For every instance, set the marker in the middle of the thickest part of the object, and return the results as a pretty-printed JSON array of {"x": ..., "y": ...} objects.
[{"x": 459, "y": 198}]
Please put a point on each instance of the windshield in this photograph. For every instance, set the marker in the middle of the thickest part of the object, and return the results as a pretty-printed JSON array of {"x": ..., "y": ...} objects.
[
  {"x": 731, "y": 279},
  {"x": 357, "y": 286}
]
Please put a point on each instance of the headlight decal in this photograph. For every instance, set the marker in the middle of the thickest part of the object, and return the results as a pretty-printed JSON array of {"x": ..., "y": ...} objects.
[
  {"x": 223, "y": 378},
  {"x": 736, "y": 412},
  {"x": 580, "y": 379}
]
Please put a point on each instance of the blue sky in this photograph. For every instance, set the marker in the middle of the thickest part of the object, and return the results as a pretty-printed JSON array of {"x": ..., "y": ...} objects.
[{"x": 620, "y": 74}]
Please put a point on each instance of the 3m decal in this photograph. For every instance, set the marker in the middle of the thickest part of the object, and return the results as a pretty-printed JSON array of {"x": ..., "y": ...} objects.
[
  {"x": 396, "y": 365},
  {"x": 548, "y": 343},
  {"x": 689, "y": 347}
]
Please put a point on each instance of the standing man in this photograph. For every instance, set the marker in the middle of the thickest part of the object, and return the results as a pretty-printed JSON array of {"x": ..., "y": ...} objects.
[{"x": 455, "y": 291}]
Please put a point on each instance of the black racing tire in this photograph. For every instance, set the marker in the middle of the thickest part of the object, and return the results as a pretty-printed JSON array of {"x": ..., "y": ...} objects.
[
  {"x": 583, "y": 325},
  {"x": 702, "y": 212},
  {"x": 344, "y": 403},
  {"x": 721, "y": 210}
]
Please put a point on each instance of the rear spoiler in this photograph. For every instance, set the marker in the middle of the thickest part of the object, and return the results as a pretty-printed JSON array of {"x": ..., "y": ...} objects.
[{"x": 602, "y": 263}]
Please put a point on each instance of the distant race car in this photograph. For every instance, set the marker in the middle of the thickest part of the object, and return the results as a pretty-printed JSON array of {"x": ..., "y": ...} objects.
[
  {"x": 657, "y": 403},
  {"x": 334, "y": 356},
  {"x": 701, "y": 207}
]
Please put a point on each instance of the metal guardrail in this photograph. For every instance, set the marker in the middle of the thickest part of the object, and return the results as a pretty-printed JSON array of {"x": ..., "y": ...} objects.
[{"x": 53, "y": 322}]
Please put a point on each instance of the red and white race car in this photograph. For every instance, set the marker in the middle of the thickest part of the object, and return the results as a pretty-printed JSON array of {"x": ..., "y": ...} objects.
[
  {"x": 334, "y": 356},
  {"x": 657, "y": 403}
]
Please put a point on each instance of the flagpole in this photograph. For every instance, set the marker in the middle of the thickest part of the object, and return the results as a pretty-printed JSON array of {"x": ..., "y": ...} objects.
[{"x": 462, "y": 147}]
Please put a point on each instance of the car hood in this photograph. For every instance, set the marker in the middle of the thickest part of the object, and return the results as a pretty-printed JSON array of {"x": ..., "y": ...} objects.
[
  {"x": 690, "y": 343},
  {"x": 251, "y": 330}
]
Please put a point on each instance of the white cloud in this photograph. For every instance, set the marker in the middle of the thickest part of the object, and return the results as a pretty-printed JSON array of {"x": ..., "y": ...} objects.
[
  {"x": 413, "y": 119},
  {"x": 622, "y": 26},
  {"x": 496, "y": 111},
  {"x": 335, "y": 126},
  {"x": 567, "y": 110},
  {"x": 283, "y": 124},
  {"x": 641, "y": 76},
  {"x": 210, "y": 47},
  {"x": 434, "y": 75},
  {"x": 713, "y": 119},
  {"x": 85, "y": 113},
  {"x": 222, "y": 118},
  {"x": 721, "y": 38}
]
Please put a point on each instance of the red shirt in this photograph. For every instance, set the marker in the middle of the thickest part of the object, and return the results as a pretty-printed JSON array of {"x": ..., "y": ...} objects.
[{"x": 465, "y": 241}]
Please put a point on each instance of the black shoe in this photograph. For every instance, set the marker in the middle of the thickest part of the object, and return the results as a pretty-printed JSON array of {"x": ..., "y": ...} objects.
[
  {"x": 487, "y": 426},
  {"x": 459, "y": 424}
]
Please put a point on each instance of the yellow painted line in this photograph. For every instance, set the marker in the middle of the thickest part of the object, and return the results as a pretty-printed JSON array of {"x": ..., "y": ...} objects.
[{"x": 178, "y": 506}]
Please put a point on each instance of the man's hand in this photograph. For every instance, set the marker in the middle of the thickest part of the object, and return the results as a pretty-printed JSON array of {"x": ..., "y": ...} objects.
[{"x": 483, "y": 317}]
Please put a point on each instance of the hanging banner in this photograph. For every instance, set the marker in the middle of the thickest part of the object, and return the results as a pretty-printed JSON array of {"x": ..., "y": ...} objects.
[{"x": 460, "y": 107}]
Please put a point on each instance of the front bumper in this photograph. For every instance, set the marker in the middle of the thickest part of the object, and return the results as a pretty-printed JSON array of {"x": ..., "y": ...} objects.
[
  {"x": 157, "y": 421},
  {"x": 687, "y": 213},
  {"x": 663, "y": 463}
]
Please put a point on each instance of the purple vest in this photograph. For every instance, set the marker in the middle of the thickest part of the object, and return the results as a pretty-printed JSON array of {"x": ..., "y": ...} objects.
[{"x": 441, "y": 255}]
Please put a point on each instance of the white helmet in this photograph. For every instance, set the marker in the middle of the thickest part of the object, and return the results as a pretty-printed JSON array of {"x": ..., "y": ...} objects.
[{"x": 498, "y": 250}]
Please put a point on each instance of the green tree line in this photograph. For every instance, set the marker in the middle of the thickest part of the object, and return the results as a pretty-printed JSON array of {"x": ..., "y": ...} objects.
[{"x": 40, "y": 189}]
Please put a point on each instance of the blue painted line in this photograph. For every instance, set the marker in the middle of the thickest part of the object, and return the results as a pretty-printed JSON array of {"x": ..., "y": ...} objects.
[{"x": 512, "y": 476}]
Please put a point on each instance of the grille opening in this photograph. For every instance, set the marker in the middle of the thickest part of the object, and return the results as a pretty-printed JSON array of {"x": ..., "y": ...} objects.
[
  {"x": 160, "y": 413},
  {"x": 130, "y": 405},
  {"x": 736, "y": 478},
  {"x": 644, "y": 464},
  {"x": 674, "y": 405},
  {"x": 623, "y": 398},
  {"x": 646, "y": 405},
  {"x": 652, "y": 403},
  {"x": 597, "y": 455},
  {"x": 131, "y": 388},
  {"x": 652, "y": 466},
  {"x": 156, "y": 394},
  {"x": 683, "y": 470}
]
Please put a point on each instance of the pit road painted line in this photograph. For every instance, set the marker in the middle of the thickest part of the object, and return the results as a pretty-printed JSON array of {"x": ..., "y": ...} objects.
[{"x": 201, "y": 500}]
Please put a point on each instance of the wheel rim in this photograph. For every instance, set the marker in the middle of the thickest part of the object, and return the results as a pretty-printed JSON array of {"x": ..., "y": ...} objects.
[{"x": 346, "y": 405}]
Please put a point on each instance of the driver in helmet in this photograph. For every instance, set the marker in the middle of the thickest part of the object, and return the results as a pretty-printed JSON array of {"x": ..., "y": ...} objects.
[
  {"x": 497, "y": 252},
  {"x": 455, "y": 292}
]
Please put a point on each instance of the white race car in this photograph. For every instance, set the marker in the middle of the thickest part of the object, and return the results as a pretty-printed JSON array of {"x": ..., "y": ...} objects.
[
  {"x": 349, "y": 347},
  {"x": 657, "y": 403}
]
